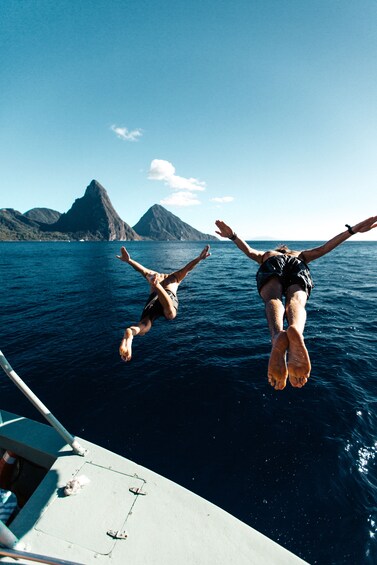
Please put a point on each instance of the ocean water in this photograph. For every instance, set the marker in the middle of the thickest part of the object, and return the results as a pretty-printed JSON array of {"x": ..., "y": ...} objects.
[{"x": 194, "y": 404}]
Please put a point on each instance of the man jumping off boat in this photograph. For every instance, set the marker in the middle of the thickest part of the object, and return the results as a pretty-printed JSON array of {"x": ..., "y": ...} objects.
[
  {"x": 284, "y": 272},
  {"x": 162, "y": 301}
]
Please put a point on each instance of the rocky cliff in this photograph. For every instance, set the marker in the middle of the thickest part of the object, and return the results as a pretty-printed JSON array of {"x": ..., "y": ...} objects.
[{"x": 94, "y": 217}]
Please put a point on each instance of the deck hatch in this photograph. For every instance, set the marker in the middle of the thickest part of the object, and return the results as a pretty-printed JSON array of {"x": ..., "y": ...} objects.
[{"x": 107, "y": 510}]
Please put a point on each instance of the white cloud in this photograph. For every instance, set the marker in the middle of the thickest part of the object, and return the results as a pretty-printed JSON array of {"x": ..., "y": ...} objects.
[
  {"x": 161, "y": 170},
  {"x": 165, "y": 171},
  {"x": 222, "y": 199},
  {"x": 180, "y": 199},
  {"x": 126, "y": 135}
]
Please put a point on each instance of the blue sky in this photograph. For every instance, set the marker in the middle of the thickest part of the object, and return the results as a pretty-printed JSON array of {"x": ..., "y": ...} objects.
[{"x": 261, "y": 113}]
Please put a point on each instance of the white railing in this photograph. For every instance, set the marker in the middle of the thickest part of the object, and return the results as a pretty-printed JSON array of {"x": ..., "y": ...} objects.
[
  {"x": 68, "y": 438},
  {"x": 35, "y": 557}
]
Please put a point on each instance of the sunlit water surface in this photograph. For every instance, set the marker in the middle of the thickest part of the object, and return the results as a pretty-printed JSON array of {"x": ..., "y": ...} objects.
[{"x": 194, "y": 404}]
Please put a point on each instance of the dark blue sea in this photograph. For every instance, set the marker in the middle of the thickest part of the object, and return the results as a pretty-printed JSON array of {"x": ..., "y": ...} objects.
[{"x": 194, "y": 404}]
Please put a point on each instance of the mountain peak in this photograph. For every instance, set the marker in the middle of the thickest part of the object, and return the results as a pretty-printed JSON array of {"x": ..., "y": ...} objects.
[
  {"x": 94, "y": 217},
  {"x": 95, "y": 189},
  {"x": 160, "y": 224},
  {"x": 43, "y": 215}
]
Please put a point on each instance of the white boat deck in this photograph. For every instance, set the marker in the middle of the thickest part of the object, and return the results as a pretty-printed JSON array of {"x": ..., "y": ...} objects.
[{"x": 167, "y": 525}]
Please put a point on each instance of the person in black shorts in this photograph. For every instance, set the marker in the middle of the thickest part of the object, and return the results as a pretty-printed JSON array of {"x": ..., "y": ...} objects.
[
  {"x": 285, "y": 273},
  {"x": 162, "y": 301}
]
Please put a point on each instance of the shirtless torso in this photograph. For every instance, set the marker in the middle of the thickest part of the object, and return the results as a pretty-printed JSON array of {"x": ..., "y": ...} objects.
[
  {"x": 162, "y": 300},
  {"x": 271, "y": 253},
  {"x": 290, "y": 278},
  {"x": 168, "y": 282}
]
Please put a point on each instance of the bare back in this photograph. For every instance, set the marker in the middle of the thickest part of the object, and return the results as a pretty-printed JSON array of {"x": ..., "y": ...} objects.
[
  {"x": 168, "y": 282},
  {"x": 273, "y": 253}
]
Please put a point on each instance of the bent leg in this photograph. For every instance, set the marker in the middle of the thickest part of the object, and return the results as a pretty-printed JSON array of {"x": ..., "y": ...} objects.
[
  {"x": 141, "y": 328},
  {"x": 271, "y": 294},
  {"x": 299, "y": 365},
  {"x": 166, "y": 302}
]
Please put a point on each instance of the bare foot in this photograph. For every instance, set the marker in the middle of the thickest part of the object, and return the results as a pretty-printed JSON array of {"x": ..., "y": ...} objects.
[
  {"x": 298, "y": 358},
  {"x": 277, "y": 366},
  {"x": 125, "y": 349}
]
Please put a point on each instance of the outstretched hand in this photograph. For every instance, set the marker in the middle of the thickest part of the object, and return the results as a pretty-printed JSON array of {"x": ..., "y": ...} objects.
[
  {"x": 125, "y": 256},
  {"x": 205, "y": 253},
  {"x": 365, "y": 225},
  {"x": 224, "y": 229}
]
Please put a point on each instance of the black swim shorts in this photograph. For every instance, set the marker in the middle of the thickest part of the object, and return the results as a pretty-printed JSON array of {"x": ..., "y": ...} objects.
[
  {"x": 289, "y": 270},
  {"x": 153, "y": 307}
]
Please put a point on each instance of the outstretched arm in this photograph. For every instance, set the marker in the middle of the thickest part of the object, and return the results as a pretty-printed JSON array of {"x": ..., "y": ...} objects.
[
  {"x": 125, "y": 256},
  {"x": 227, "y": 232},
  {"x": 180, "y": 275},
  {"x": 364, "y": 226}
]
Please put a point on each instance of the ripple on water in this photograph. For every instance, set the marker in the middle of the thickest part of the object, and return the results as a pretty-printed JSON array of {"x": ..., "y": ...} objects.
[{"x": 194, "y": 403}]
